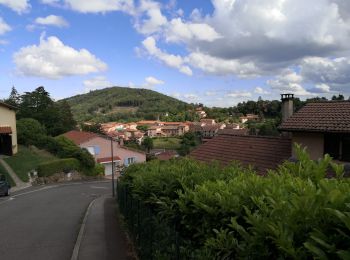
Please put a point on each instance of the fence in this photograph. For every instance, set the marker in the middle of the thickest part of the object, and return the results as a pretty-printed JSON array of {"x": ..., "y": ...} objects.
[{"x": 152, "y": 237}]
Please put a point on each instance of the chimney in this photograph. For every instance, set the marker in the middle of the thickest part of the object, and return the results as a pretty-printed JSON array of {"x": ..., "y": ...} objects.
[{"x": 287, "y": 106}]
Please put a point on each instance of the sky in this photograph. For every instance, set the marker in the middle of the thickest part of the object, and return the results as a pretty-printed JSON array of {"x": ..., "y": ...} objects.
[{"x": 217, "y": 52}]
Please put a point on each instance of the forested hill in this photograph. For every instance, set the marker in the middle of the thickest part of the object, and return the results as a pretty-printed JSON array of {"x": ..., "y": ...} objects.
[{"x": 118, "y": 103}]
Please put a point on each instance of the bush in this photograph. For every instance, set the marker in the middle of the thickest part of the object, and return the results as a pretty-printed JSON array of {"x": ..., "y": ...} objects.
[
  {"x": 30, "y": 131},
  {"x": 233, "y": 213},
  {"x": 99, "y": 169},
  {"x": 57, "y": 166}
]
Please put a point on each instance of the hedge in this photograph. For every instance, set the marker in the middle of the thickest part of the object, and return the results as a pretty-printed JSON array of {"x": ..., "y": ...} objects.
[
  {"x": 57, "y": 166},
  {"x": 233, "y": 213}
]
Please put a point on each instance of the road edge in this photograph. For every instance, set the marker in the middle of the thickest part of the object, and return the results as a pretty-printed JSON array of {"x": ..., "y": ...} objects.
[{"x": 77, "y": 245}]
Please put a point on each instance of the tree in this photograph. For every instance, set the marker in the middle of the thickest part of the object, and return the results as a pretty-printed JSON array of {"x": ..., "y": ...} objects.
[
  {"x": 30, "y": 131},
  {"x": 339, "y": 97},
  {"x": 148, "y": 143},
  {"x": 14, "y": 98},
  {"x": 57, "y": 118},
  {"x": 143, "y": 128}
]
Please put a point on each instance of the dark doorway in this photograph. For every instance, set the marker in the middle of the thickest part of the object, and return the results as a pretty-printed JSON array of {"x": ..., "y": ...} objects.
[{"x": 5, "y": 144}]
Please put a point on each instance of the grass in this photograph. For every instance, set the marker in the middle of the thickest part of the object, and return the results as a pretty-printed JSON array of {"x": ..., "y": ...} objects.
[
  {"x": 170, "y": 143},
  {"x": 8, "y": 177},
  {"x": 28, "y": 159}
]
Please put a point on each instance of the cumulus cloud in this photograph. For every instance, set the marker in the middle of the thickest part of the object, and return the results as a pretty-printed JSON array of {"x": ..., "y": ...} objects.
[
  {"x": 53, "y": 20},
  {"x": 97, "y": 82},
  {"x": 151, "y": 82},
  {"x": 239, "y": 94},
  {"x": 260, "y": 90},
  {"x": 94, "y": 6},
  {"x": 332, "y": 72},
  {"x": 4, "y": 27},
  {"x": 52, "y": 59},
  {"x": 289, "y": 82},
  {"x": 149, "y": 17},
  {"x": 179, "y": 31},
  {"x": 175, "y": 61},
  {"x": 19, "y": 6}
]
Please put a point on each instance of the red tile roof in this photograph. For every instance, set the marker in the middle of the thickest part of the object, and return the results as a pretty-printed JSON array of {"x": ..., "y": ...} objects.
[
  {"x": 230, "y": 131},
  {"x": 5, "y": 130},
  {"x": 261, "y": 152},
  {"x": 108, "y": 159},
  {"x": 79, "y": 137},
  {"x": 331, "y": 116}
]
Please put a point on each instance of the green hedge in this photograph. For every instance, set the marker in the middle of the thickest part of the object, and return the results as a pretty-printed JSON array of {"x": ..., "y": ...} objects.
[
  {"x": 57, "y": 166},
  {"x": 232, "y": 213}
]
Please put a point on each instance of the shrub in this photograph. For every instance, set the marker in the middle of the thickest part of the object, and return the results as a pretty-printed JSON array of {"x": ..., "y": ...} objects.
[
  {"x": 233, "y": 213},
  {"x": 57, "y": 166},
  {"x": 99, "y": 169},
  {"x": 30, "y": 131}
]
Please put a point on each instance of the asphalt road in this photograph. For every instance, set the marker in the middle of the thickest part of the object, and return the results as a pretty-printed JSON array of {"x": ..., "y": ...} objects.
[{"x": 43, "y": 223}]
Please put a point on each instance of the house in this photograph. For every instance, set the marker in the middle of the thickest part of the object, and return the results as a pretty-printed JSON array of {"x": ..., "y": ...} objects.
[
  {"x": 322, "y": 127},
  {"x": 100, "y": 147},
  {"x": 262, "y": 153},
  {"x": 8, "y": 130},
  {"x": 200, "y": 112},
  {"x": 166, "y": 155},
  {"x": 249, "y": 117},
  {"x": 208, "y": 121}
]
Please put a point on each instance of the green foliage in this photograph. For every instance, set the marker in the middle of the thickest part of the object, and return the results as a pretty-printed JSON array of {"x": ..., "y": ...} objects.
[
  {"x": 148, "y": 143},
  {"x": 28, "y": 159},
  {"x": 67, "y": 149},
  {"x": 124, "y": 104},
  {"x": 143, "y": 128},
  {"x": 29, "y": 131},
  {"x": 57, "y": 118},
  {"x": 189, "y": 141},
  {"x": 62, "y": 165},
  {"x": 97, "y": 170},
  {"x": 233, "y": 213}
]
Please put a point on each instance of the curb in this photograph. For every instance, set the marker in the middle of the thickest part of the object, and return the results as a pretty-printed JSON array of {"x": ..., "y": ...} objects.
[{"x": 76, "y": 249}]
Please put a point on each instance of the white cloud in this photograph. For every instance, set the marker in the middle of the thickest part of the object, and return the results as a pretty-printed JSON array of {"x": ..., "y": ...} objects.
[
  {"x": 239, "y": 94},
  {"x": 178, "y": 31},
  {"x": 260, "y": 90},
  {"x": 151, "y": 18},
  {"x": 289, "y": 82},
  {"x": 219, "y": 66},
  {"x": 175, "y": 61},
  {"x": 210, "y": 93},
  {"x": 4, "y": 27},
  {"x": 52, "y": 59},
  {"x": 19, "y": 6},
  {"x": 94, "y": 6},
  {"x": 3, "y": 42},
  {"x": 53, "y": 20},
  {"x": 190, "y": 97},
  {"x": 151, "y": 82},
  {"x": 97, "y": 82},
  {"x": 323, "y": 88}
]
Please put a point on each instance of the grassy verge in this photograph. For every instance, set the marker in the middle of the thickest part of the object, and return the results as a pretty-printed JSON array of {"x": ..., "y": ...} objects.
[
  {"x": 170, "y": 143},
  {"x": 27, "y": 159},
  {"x": 8, "y": 177}
]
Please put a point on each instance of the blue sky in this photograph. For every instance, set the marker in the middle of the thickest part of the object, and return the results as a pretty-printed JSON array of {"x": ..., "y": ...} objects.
[{"x": 217, "y": 52}]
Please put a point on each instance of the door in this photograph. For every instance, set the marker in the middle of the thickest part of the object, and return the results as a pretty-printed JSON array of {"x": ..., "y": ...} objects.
[{"x": 5, "y": 144}]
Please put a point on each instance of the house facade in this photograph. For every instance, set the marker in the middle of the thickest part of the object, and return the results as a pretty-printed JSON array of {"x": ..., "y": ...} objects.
[
  {"x": 322, "y": 127},
  {"x": 8, "y": 130},
  {"x": 100, "y": 148}
]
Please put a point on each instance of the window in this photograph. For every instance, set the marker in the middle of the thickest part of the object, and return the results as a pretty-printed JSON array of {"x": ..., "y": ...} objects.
[
  {"x": 91, "y": 150},
  {"x": 131, "y": 160},
  {"x": 337, "y": 146}
]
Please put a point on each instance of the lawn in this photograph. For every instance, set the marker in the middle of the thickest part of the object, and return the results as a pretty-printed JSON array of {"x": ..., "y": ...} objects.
[
  {"x": 8, "y": 177},
  {"x": 27, "y": 159},
  {"x": 170, "y": 143}
]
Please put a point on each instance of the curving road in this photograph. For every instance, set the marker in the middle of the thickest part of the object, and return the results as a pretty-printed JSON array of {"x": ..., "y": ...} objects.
[{"x": 44, "y": 222}]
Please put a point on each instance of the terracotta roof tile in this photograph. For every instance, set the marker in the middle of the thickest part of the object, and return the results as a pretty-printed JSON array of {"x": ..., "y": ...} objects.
[
  {"x": 331, "y": 116},
  {"x": 262, "y": 152},
  {"x": 79, "y": 137}
]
